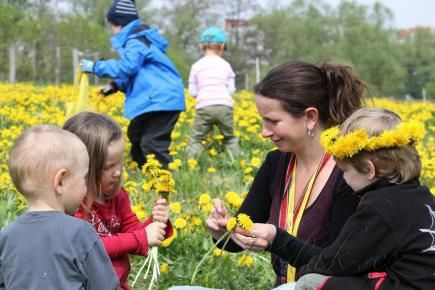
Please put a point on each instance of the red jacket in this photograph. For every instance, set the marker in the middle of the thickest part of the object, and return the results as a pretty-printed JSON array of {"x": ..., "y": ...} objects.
[{"x": 120, "y": 231}]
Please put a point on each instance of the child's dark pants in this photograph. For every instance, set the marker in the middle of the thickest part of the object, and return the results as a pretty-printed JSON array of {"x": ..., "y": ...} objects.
[{"x": 150, "y": 133}]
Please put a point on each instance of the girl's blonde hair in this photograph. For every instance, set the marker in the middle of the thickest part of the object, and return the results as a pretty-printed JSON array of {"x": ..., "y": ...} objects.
[
  {"x": 217, "y": 47},
  {"x": 96, "y": 131},
  {"x": 398, "y": 165}
]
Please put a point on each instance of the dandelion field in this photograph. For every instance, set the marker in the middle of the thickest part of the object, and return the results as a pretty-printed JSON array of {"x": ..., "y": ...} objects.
[{"x": 197, "y": 182}]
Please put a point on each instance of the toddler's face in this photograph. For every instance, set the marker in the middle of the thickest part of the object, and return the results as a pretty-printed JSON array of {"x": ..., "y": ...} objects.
[
  {"x": 76, "y": 184},
  {"x": 355, "y": 179},
  {"x": 112, "y": 169},
  {"x": 115, "y": 28}
]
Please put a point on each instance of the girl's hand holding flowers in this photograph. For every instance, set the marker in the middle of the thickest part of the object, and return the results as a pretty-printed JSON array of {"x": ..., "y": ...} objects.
[
  {"x": 160, "y": 210},
  {"x": 155, "y": 233}
]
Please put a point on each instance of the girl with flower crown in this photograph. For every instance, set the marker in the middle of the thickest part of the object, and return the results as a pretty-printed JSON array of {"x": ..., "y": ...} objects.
[{"x": 298, "y": 191}]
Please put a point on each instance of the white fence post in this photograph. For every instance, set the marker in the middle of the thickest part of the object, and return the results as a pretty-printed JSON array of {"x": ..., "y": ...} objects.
[
  {"x": 12, "y": 64},
  {"x": 257, "y": 70},
  {"x": 57, "y": 67}
]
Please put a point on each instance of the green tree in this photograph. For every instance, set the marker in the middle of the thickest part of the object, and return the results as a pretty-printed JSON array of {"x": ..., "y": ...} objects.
[{"x": 418, "y": 58}]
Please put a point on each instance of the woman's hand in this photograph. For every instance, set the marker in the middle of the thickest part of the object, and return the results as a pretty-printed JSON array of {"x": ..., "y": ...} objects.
[
  {"x": 160, "y": 211},
  {"x": 258, "y": 239},
  {"x": 217, "y": 221}
]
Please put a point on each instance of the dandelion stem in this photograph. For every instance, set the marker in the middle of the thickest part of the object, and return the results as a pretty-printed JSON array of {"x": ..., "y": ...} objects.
[
  {"x": 223, "y": 248},
  {"x": 156, "y": 269},
  {"x": 140, "y": 271},
  {"x": 205, "y": 256}
]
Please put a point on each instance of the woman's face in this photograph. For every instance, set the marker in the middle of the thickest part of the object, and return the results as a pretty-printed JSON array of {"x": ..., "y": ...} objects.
[
  {"x": 112, "y": 169},
  {"x": 284, "y": 130}
]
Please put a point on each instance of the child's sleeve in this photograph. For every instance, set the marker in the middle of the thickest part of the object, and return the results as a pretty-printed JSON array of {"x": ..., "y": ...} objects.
[
  {"x": 126, "y": 243},
  {"x": 135, "y": 54},
  {"x": 193, "y": 89},
  {"x": 365, "y": 243},
  {"x": 99, "y": 270}
]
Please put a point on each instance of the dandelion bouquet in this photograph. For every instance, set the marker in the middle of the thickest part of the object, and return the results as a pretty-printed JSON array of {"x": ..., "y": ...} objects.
[
  {"x": 243, "y": 221},
  {"x": 160, "y": 182}
]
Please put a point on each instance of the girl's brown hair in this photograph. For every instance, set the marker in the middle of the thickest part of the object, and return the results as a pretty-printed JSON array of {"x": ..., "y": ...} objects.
[
  {"x": 96, "y": 131},
  {"x": 330, "y": 88},
  {"x": 397, "y": 164}
]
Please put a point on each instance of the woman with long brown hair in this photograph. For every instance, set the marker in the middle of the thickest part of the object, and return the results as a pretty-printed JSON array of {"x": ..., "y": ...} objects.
[{"x": 298, "y": 191}]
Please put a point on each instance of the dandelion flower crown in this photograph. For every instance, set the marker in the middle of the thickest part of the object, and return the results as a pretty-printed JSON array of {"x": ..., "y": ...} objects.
[{"x": 346, "y": 146}]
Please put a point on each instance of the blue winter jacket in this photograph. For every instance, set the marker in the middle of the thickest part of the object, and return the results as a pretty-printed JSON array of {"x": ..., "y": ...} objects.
[{"x": 144, "y": 73}]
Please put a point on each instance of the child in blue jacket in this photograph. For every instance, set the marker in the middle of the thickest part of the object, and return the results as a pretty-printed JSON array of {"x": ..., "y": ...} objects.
[{"x": 153, "y": 87}]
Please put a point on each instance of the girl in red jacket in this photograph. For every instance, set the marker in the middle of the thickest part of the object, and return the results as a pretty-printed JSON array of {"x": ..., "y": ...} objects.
[{"x": 107, "y": 205}]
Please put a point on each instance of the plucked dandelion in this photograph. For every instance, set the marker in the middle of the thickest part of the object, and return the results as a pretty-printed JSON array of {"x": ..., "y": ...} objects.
[
  {"x": 232, "y": 223},
  {"x": 245, "y": 222}
]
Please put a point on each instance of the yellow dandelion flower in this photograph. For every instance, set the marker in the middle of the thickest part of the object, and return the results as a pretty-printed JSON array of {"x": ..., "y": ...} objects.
[
  {"x": 211, "y": 170},
  {"x": 247, "y": 261},
  {"x": 167, "y": 242},
  {"x": 196, "y": 221},
  {"x": 218, "y": 253},
  {"x": 192, "y": 163},
  {"x": 139, "y": 211},
  {"x": 132, "y": 165},
  {"x": 162, "y": 187},
  {"x": 256, "y": 162},
  {"x": 219, "y": 137},
  {"x": 164, "y": 268},
  {"x": 204, "y": 198},
  {"x": 147, "y": 186},
  {"x": 180, "y": 223},
  {"x": 231, "y": 224},
  {"x": 245, "y": 222},
  {"x": 172, "y": 166},
  {"x": 150, "y": 156},
  {"x": 175, "y": 207}
]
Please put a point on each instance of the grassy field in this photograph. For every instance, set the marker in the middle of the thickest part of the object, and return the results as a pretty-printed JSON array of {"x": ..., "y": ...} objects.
[{"x": 214, "y": 174}]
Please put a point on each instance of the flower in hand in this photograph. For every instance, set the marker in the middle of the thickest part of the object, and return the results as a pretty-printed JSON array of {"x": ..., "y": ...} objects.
[{"x": 259, "y": 238}]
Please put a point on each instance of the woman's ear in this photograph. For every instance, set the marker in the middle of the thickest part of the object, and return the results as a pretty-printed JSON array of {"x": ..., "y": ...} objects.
[
  {"x": 312, "y": 117},
  {"x": 371, "y": 170},
  {"x": 59, "y": 181}
]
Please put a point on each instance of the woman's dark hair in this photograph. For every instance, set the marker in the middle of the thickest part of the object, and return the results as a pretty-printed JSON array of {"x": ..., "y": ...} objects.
[{"x": 330, "y": 88}]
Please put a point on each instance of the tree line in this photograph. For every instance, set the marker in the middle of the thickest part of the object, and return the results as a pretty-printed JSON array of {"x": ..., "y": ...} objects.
[{"x": 38, "y": 37}]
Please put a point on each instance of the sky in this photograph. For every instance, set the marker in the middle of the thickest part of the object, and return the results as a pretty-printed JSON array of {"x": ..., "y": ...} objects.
[{"x": 407, "y": 13}]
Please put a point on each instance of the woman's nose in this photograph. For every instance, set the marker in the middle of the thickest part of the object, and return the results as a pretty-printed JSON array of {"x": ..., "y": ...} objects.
[{"x": 266, "y": 132}]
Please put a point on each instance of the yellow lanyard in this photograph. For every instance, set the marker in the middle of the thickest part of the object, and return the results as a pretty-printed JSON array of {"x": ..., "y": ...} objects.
[{"x": 292, "y": 228}]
